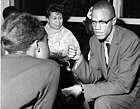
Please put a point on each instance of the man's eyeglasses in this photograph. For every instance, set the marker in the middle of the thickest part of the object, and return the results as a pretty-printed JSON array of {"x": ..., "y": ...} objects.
[{"x": 101, "y": 22}]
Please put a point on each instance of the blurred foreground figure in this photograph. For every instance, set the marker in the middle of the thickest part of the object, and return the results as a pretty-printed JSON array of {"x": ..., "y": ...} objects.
[{"x": 28, "y": 78}]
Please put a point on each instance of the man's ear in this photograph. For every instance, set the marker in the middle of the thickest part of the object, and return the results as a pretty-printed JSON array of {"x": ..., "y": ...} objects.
[
  {"x": 114, "y": 20},
  {"x": 34, "y": 48},
  {"x": 37, "y": 45}
]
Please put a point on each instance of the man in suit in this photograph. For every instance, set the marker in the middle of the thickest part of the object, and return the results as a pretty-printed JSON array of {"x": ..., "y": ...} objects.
[
  {"x": 28, "y": 78},
  {"x": 110, "y": 79}
]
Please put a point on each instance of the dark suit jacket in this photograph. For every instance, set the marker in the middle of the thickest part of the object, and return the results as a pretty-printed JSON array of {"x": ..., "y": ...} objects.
[
  {"x": 123, "y": 65},
  {"x": 28, "y": 82}
]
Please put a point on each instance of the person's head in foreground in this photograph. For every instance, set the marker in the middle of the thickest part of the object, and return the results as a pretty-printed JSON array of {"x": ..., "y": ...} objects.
[
  {"x": 54, "y": 16},
  {"x": 29, "y": 79},
  {"x": 22, "y": 33}
]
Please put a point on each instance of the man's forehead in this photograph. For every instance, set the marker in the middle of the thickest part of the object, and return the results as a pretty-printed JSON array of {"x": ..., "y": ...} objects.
[{"x": 100, "y": 14}]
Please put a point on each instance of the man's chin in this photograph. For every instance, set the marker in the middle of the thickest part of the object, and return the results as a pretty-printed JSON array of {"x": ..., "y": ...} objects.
[{"x": 101, "y": 38}]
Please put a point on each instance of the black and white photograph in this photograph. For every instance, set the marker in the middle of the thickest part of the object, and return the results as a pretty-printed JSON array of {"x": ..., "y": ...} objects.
[{"x": 70, "y": 54}]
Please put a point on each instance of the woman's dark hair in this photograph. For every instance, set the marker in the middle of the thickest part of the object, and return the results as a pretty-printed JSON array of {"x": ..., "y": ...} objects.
[
  {"x": 54, "y": 8},
  {"x": 9, "y": 10},
  {"x": 19, "y": 31}
]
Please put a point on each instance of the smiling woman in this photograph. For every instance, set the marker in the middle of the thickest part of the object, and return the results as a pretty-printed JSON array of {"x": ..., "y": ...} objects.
[{"x": 59, "y": 37}]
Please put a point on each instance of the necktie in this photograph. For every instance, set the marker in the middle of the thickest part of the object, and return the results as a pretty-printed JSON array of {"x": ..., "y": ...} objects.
[
  {"x": 108, "y": 48},
  {"x": 107, "y": 55}
]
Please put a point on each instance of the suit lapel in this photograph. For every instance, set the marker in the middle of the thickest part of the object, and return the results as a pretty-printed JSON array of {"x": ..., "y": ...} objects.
[
  {"x": 114, "y": 46},
  {"x": 101, "y": 55}
]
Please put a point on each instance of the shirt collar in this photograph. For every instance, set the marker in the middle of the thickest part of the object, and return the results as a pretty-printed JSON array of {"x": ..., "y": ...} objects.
[{"x": 111, "y": 36}]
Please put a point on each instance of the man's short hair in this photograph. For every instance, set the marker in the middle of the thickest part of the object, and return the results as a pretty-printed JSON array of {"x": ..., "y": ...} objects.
[
  {"x": 19, "y": 31},
  {"x": 104, "y": 4}
]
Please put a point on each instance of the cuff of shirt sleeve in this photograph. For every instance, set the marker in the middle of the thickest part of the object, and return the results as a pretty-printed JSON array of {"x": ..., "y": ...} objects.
[{"x": 78, "y": 62}]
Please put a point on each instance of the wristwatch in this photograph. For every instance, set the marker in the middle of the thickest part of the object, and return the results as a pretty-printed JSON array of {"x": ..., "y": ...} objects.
[{"x": 82, "y": 87}]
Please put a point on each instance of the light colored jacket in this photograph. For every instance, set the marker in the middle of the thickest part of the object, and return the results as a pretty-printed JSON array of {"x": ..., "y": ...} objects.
[{"x": 60, "y": 40}]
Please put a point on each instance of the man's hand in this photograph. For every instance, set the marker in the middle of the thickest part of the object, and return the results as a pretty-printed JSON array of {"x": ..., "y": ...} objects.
[
  {"x": 75, "y": 90},
  {"x": 74, "y": 53}
]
